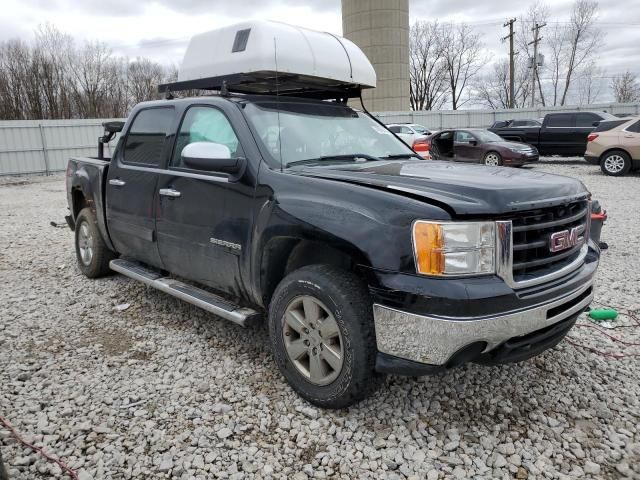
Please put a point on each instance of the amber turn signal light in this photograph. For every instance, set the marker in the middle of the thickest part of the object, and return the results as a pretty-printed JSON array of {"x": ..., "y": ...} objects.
[{"x": 428, "y": 243}]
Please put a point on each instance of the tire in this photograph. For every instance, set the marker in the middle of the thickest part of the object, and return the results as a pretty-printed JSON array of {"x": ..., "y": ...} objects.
[
  {"x": 615, "y": 164},
  {"x": 492, "y": 159},
  {"x": 92, "y": 253},
  {"x": 345, "y": 299}
]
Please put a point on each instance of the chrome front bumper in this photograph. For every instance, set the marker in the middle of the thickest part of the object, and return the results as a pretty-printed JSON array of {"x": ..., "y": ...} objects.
[{"x": 434, "y": 340}]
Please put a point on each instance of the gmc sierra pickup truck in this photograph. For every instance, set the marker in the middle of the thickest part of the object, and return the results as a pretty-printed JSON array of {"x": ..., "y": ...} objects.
[
  {"x": 561, "y": 133},
  {"x": 309, "y": 214}
]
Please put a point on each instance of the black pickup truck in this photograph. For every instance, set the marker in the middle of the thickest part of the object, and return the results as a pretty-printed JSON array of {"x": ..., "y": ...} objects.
[
  {"x": 561, "y": 133},
  {"x": 363, "y": 258}
]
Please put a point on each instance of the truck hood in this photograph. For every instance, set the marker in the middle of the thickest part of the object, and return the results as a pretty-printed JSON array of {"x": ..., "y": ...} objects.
[{"x": 465, "y": 189}]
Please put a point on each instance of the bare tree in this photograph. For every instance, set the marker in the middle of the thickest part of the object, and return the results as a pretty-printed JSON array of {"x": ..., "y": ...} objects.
[
  {"x": 427, "y": 69},
  {"x": 538, "y": 13},
  {"x": 555, "y": 61},
  {"x": 582, "y": 38},
  {"x": 569, "y": 50},
  {"x": 493, "y": 89},
  {"x": 463, "y": 58},
  {"x": 54, "y": 50},
  {"x": 91, "y": 65},
  {"x": 143, "y": 77},
  {"x": 589, "y": 83},
  {"x": 626, "y": 88}
]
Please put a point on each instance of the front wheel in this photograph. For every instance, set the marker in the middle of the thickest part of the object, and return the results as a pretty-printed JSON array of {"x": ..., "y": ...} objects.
[
  {"x": 92, "y": 253},
  {"x": 615, "y": 164},
  {"x": 493, "y": 159},
  {"x": 322, "y": 335}
]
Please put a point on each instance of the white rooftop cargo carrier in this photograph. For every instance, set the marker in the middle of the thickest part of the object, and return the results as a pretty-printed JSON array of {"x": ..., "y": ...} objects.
[{"x": 272, "y": 57}]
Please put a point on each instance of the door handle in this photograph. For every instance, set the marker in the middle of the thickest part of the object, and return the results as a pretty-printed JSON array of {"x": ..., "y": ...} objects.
[
  {"x": 116, "y": 182},
  {"x": 169, "y": 192}
]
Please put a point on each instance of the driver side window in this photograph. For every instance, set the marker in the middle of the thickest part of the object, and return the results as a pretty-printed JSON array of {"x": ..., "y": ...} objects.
[{"x": 205, "y": 124}]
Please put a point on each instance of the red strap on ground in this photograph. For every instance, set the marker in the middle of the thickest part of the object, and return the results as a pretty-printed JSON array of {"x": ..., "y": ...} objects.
[{"x": 38, "y": 450}]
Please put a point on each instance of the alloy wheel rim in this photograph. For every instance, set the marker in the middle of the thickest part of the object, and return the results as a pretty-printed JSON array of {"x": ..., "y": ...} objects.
[
  {"x": 491, "y": 160},
  {"x": 85, "y": 244},
  {"x": 312, "y": 340},
  {"x": 614, "y": 164}
]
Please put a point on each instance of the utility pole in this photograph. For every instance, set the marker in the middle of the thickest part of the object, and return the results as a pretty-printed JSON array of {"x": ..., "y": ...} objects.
[
  {"x": 511, "y": 62},
  {"x": 534, "y": 67}
]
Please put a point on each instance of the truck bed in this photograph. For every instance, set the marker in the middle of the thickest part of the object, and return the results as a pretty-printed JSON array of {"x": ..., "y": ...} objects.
[{"x": 86, "y": 177}]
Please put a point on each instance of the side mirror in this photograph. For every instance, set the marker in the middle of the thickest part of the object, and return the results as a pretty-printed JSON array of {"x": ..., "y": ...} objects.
[
  {"x": 473, "y": 142},
  {"x": 211, "y": 157}
]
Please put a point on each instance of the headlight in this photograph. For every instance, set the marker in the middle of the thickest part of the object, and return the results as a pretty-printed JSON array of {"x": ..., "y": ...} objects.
[{"x": 456, "y": 248}]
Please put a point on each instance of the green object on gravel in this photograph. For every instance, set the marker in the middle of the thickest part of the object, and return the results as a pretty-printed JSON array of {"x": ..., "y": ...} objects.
[{"x": 603, "y": 314}]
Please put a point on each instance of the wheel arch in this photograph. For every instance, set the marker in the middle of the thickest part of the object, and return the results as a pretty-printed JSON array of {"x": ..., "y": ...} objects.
[
  {"x": 283, "y": 255},
  {"x": 611, "y": 150}
]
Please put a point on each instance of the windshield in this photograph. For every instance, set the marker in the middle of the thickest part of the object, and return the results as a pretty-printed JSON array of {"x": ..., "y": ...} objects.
[
  {"x": 297, "y": 132},
  {"x": 487, "y": 137},
  {"x": 420, "y": 129}
]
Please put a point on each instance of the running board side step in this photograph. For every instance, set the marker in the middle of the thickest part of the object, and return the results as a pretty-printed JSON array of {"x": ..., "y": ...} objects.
[{"x": 196, "y": 296}]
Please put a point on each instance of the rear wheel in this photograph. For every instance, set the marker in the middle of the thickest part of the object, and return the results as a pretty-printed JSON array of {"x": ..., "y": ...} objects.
[
  {"x": 615, "y": 164},
  {"x": 492, "y": 159},
  {"x": 92, "y": 253},
  {"x": 322, "y": 335}
]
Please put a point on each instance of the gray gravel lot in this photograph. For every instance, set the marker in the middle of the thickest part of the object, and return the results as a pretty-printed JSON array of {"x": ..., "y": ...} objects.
[{"x": 160, "y": 389}]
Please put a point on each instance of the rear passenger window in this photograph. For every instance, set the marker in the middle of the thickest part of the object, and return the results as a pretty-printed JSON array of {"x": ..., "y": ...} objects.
[
  {"x": 205, "y": 124},
  {"x": 586, "y": 119},
  {"x": 635, "y": 127},
  {"x": 561, "y": 121},
  {"x": 609, "y": 125},
  {"x": 147, "y": 136}
]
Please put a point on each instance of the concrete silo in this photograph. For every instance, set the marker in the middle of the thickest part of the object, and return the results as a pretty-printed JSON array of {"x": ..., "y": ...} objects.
[{"x": 381, "y": 29}]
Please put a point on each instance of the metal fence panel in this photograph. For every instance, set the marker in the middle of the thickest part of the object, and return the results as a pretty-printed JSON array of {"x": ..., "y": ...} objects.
[
  {"x": 43, "y": 146},
  {"x": 438, "y": 120}
]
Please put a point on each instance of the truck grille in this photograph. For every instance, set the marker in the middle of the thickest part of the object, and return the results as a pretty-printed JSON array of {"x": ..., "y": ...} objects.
[{"x": 532, "y": 257}]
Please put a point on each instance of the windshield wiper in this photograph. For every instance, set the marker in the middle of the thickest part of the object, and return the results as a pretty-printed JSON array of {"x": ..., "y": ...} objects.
[
  {"x": 401, "y": 155},
  {"x": 340, "y": 158}
]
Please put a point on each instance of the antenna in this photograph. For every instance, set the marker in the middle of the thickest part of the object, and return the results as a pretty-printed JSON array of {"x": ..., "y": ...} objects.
[{"x": 275, "y": 54}]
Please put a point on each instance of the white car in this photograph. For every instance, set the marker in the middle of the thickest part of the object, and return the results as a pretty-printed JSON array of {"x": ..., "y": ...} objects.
[{"x": 408, "y": 132}]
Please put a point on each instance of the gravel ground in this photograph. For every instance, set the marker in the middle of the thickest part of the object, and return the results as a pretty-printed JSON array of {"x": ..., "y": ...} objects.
[{"x": 125, "y": 382}]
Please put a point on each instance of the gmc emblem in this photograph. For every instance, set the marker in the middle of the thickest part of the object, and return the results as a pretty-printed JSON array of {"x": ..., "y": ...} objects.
[{"x": 565, "y": 239}]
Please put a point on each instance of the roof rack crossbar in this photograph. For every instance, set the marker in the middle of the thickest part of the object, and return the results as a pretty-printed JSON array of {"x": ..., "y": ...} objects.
[{"x": 264, "y": 83}]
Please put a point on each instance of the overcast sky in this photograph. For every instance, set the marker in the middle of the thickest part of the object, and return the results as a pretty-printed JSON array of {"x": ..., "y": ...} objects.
[{"x": 160, "y": 29}]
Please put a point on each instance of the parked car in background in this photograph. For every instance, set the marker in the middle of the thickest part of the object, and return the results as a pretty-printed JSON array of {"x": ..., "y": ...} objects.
[
  {"x": 561, "y": 133},
  {"x": 615, "y": 146},
  {"x": 477, "y": 145},
  {"x": 516, "y": 123},
  {"x": 422, "y": 146},
  {"x": 409, "y": 132},
  {"x": 624, "y": 115}
]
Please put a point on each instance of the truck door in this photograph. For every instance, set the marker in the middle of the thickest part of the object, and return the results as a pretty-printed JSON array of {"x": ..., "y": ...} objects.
[
  {"x": 204, "y": 218},
  {"x": 558, "y": 135},
  {"x": 131, "y": 184}
]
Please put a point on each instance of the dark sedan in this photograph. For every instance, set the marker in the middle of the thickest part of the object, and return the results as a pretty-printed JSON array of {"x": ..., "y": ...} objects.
[{"x": 476, "y": 145}]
